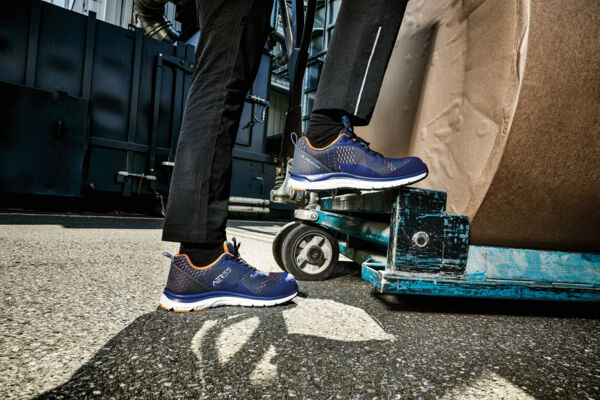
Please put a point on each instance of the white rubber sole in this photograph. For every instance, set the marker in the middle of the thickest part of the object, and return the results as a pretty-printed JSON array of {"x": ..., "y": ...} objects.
[
  {"x": 205, "y": 304},
  {"x": 351, "y": 183}
]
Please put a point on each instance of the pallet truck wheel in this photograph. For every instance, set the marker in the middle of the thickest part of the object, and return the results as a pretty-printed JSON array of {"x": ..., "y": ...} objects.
[
  {"x": 310, "y": 253},
  {"x": 278, "y": 242}
]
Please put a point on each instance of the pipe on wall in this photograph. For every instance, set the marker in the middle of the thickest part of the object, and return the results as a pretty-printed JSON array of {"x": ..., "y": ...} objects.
[{"x": 151, "y": 14}]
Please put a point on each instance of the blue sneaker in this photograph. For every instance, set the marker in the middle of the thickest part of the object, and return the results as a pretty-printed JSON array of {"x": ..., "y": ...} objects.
[
  {"x": 349, "y": 163},
  {"x": 228, "y": 281}
]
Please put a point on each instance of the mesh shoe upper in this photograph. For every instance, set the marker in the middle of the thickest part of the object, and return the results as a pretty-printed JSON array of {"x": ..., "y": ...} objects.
[
  {"x": 350, "y": 155},
  {"x": 229, "y": 273}
]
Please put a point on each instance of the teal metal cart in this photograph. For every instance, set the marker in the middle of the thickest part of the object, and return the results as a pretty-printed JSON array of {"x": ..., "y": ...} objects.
[{"x": 408, "y": 244}]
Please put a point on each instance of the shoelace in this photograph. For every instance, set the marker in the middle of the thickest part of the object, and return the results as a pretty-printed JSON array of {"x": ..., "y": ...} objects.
[
  {"x": 236, "y": 254},
  {"x": 356, "y": 139},
  {"x": 349, "y": 130}
]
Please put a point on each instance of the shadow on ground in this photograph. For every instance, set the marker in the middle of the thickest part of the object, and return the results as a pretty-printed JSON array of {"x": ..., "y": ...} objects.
[
  {"x": 230, "y": 352},
  {"x": 78, "y": 221},
  {"x": 116, "y": 221},
  {"x": 488, "y": 306},
  {"x": 365, "y": 346}
]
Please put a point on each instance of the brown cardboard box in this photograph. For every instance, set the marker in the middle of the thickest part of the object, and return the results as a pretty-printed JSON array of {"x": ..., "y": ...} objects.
[{"x": 501, "y": 98}]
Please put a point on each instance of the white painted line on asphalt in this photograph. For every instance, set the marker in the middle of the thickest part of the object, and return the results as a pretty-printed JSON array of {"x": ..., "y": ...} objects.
[
  {"x": 234, "y": 337},
  {"x": 265, "y": 369},
  {"x": 240, "y": 232},
  {"x": 332, "y": 320}
]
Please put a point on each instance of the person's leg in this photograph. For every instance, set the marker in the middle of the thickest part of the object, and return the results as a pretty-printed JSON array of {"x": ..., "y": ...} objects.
[
  {"x": 360, "y": 49},
  {"x": 330, "y": 156},
  {"x": 209, "y": 272},
  {"x": 232, "y": 37}
]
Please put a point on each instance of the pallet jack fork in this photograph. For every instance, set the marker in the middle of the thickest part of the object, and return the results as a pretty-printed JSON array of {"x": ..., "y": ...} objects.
[{"x": 428, "y": 251}]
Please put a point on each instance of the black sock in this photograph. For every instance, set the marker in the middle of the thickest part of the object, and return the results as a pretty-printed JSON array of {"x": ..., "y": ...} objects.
[
  {"x": 202, "y": 254},
  {"x": 324, "y": 126}
]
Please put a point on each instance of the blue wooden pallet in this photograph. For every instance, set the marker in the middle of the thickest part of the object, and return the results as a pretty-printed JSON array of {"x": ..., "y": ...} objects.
[
  {"x": 501, "y": 273},
  {"x": 429, "y": 252}
]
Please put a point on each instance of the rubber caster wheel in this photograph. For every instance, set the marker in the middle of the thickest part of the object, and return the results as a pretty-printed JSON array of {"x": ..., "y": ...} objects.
[
  {"x": 310, "y": 253},
  {"x": 278, "y": 242}
]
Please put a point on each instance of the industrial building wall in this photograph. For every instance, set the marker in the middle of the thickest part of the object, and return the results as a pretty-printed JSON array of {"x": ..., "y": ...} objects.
[{"x": 108, "y": 104}]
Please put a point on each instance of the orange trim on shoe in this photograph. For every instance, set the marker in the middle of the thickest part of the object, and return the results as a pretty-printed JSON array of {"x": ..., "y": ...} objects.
[
  {"x": 326, "y": 147},
  {"x": 206, "y": 266}
]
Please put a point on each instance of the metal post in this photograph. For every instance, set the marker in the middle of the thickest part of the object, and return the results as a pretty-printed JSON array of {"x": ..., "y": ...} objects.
[
  {"x": 296, "y": 69},
  {"x": 155, "y": 114},
  {"x": 32, "y": 46},
  {"x": 90, "y": 40},
  {"x": 133, "y": 103}
]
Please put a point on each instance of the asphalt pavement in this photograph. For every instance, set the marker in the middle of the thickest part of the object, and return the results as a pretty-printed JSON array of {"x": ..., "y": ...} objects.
[{"x": 80, "y": 320}]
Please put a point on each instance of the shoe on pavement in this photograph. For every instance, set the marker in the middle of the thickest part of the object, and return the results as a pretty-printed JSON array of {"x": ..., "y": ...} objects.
[
  {"x": 349, "y": 163},
  {"x": 228, "y": 281}
]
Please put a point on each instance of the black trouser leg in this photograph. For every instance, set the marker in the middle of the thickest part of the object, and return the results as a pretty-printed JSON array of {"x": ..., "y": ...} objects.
[
  {"x": 358, "y": 55},
  {"x": 232, "y": 36},
  {"x": 324, "y": 127}
]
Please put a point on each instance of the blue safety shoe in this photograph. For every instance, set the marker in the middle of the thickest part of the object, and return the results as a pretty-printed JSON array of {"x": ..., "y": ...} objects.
[
  {"x": 349, "y": 163},
  {"x": 228, "y": 281}
]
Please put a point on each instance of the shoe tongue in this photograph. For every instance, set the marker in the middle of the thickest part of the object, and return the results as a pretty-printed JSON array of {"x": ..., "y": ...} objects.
[
  {"x": 347, "y": 123},
  {"x": 229, "y": 247}
]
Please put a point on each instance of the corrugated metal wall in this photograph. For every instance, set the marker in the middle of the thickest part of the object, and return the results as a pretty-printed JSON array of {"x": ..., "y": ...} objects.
[{"x": 129, "y": 92}]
